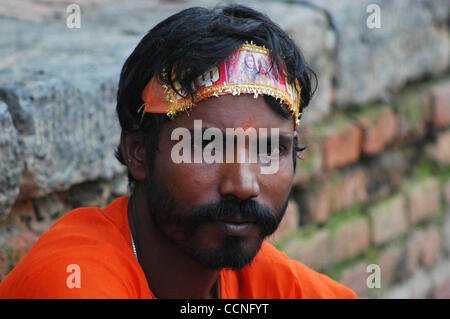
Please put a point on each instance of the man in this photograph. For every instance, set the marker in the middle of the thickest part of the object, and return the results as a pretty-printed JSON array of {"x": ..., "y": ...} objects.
[
  {"x": 249, "y": 70},
  {"x": 263, "y": 76},
  {"x": 191, "y": 228}
]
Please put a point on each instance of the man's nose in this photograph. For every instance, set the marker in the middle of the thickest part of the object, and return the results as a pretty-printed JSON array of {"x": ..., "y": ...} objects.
[{"x": 239, "y": 180}]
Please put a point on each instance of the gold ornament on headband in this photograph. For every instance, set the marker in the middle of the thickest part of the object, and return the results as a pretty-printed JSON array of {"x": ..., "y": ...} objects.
[{"x": 249, "y": 70}]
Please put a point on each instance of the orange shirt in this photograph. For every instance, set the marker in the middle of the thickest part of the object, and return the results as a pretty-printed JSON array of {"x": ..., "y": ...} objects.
[{"x": 99, "y": 242}]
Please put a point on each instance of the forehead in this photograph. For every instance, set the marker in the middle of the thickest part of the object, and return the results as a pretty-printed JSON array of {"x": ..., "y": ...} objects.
[{"x": 230, "y": 111}]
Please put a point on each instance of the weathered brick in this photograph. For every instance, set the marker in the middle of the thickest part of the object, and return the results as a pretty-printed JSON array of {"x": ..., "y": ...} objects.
[
  {"x": 440, "y": 151},
  {"x": 50, "y": 207},
  {"x": 389, "y": 261},
  {"x": 442, "y": 290},
  {"x": 22, "y": 213},
  {"x": 379, "y": 129},
  {"x": 4, "y": 266},
  {"x": 349, "y": 189},
  {"x": 342, "y": 146},
  {"x": 447, "y": 193},
  {"x": 388, "y": 219},
  {"x": 413, "y": 113},
  {"x": 440, "y": 276},
  {"x": 446, "y": 233},
  {"x": 355, "y": 278},
  {"x": 336, "y": 193},
  {"x": 311, "y": 162},
  {"x": 414, "y": 251},
  {"x": 18, "y": 246},
  {"x": 350, "y": 238},
  {"x": 95, "y": 194},
  {"x": 386, "y": 173},
  {"x": 318, "y": 202},
  {"x": 289, "y": 223},
  {"x": 416, "y": 286},
  {"x": 423, "y": 199},
  {"x": 441, "y": 105},
  {"x": 431, "y": 246},
  {"x": 423, "y": 248},
  {"x": 313, "y": 250}
]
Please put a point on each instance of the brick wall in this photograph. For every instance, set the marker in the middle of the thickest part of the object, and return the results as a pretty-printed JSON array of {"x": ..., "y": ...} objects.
[{"x": 373, "y": 187}]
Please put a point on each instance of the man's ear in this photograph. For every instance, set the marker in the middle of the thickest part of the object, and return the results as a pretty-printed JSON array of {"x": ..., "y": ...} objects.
[{"x": 133, "y": 150}]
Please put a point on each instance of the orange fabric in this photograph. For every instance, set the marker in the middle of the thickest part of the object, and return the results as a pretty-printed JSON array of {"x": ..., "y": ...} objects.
[
  {"x": 99, "y": 242},
  {"x": 155, "y": 98}
]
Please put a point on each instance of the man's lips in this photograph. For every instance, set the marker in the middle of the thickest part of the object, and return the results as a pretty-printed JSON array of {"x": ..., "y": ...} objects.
[
  {"x": 235, "y": 226},
  {"x": 235, "y": 220}
]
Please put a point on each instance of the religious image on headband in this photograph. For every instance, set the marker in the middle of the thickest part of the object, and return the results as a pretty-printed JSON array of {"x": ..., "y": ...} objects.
[{"x": 249, "y": 70}]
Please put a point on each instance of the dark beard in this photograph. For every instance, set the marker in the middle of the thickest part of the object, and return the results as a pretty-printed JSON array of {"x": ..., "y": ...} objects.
[{"x": 180, "y": 227}]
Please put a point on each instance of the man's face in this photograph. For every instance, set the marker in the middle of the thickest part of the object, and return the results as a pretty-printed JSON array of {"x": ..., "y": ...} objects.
[
  {"x": 249, "y": 62},
  {"x": 219, "y": 213},
  {"x": 262, "y": 68}
]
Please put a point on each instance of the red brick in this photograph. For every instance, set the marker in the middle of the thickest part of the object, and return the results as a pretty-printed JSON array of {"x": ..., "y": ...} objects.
[
  {"x": 378, "y": 130},
  {"x": 423, "y": 199},
  {"x": 19, "y": 245},
  {"x": 336, "y": 193},
  {"x": 319, "y": 203},
  {"x": 355, "y": 278},
  {"x": 350, "y": 238},
  {"x": 441, "y": 109},
  {"x": 442, "y": 290},
  {"x": 431, "y": 246},
  {"x": 342, "y": 146},
  {"x": 388, "y": 219},
  {"x": 414, "y": 251},
  {"x": 447, "y": 193},
  {"x": 349, "y": 190},
  {"x": 311, "y": 162},
  {"x": 440, "y": 151},
  {"x": 446, "y": 233},
  {"x": 313, "y": 250},
  {"x": 389, "y": 262},
  {"x": 288, "y": 224},
  {"x": 423, "y": 248}
]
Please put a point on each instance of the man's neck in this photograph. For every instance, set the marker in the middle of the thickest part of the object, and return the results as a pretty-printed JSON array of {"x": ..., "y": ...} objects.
[{"x": 170, "y": 273}]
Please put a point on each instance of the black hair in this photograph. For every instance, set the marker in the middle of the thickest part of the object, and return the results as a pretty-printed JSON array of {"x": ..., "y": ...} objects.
[{"x": 189, "y": 43}]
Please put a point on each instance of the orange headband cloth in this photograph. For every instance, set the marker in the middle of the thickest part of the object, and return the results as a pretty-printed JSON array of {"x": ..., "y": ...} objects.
[{"x": 249, "y": 70}]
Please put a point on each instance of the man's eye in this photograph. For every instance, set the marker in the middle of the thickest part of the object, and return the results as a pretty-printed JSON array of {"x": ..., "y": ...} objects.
[
  {"x": 277, "y": 151},
  {"x": 265, "y": 147}
]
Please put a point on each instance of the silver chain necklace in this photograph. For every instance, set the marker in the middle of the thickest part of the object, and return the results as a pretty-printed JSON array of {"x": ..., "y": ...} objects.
[
  {"x": 135, "y": 253},
  {"x": 134, "y": 245}
]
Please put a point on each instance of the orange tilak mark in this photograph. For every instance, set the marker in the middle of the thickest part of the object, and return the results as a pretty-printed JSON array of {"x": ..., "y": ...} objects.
[{"x": 247, "y": 125}]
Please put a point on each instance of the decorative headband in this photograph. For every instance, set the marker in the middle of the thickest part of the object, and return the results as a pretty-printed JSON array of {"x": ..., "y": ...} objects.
[{"x": 249, "y": 70}]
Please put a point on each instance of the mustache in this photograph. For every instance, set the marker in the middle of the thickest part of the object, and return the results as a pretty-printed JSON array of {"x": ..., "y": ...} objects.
[{"x": 247, "y": 209}]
